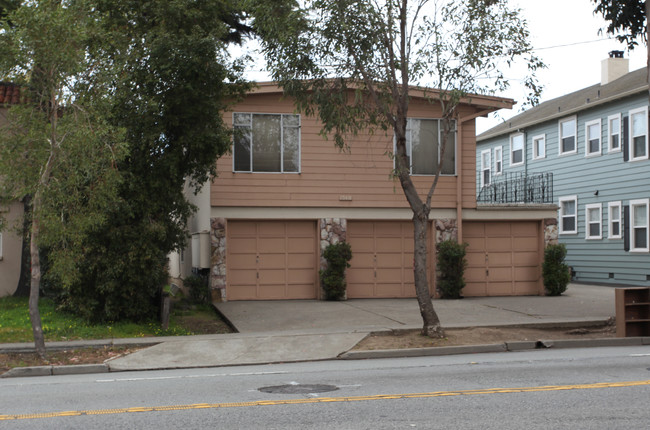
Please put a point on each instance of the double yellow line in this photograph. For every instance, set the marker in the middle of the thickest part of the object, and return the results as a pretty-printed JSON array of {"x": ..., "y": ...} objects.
[{"x": 328, "y": 400}]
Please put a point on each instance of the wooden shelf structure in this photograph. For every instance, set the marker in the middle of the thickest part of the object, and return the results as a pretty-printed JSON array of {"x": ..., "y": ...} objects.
[{"x": 632, "y": 312}]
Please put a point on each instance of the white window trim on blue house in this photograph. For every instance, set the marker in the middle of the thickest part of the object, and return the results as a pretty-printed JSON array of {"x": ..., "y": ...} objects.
[
  {"x": 539, "y": 146},
  {"x": 644, "y": 225},
  {"x": 498, "y": 160},
  {"x": 597, "y": 221},
  {"x": 643, "y": 113},
  {"x": 486, "y": 167},
  {"x": 611, "y": 219},
  {"x": 574, "y": 215},
  {"x": 561, "y": 136},
  {"x": 514, "y": 149},
  {"x": 596, "y": 126},
  {"x": 610, "y": 133}
]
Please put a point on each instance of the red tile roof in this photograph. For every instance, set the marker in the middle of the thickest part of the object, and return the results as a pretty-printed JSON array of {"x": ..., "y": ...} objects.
[{"x": 9, "y": 93}]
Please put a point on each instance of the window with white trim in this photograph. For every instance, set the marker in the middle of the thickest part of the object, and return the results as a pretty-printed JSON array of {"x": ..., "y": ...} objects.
[
  {"x": 638, "y": 142},
  {"x": 592, "y": 138},
  {"x": 594, "y": 221},
  {"x": 266, "y": 143},
  {"x": 614, "y": 133},
  {"x": 567, "y": 133},
  {"x": 539, "y": 147},
  {"x": 517, "y": 149},
  {"x": 568, "y": 215},
  {"x": 639, "y": 225},
  {"x": 423, "y": 147},
  {"x": 614, "y": 220},
  {"x": 498, "y": 161},
  {"x": 486, "y": 165}
]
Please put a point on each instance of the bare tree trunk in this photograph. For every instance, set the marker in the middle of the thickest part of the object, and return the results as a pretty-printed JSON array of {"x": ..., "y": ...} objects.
[
  {"x": 431, "y": 323},
  {"x": 34, "y": 314}
]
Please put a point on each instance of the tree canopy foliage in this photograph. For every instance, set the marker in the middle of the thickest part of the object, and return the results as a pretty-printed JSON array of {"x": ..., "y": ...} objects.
[
  {"x": 626, "y": 19},
  {"x": 155, "y": 77}
]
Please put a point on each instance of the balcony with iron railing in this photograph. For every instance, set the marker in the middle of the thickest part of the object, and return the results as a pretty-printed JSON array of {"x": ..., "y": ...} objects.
[{"x": 518, "y": 188}]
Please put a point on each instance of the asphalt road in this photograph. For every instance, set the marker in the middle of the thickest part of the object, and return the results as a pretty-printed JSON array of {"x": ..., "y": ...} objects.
[{"x": 597, "y": 388}]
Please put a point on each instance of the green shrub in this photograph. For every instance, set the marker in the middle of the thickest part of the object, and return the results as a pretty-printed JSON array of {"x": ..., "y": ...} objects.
[
  {"x": 554, "y": 271},
  {"x": 333, "y": 277},
  {"x": 451, "y": 267},
  {"x": 199, "y": 290}
]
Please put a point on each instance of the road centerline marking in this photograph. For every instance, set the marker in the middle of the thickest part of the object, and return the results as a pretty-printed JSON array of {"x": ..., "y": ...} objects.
[{"x": 312, "y": 400}]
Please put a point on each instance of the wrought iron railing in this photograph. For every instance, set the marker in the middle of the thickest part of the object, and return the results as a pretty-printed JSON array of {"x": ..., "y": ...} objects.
[{"x": 518, "y": 188}]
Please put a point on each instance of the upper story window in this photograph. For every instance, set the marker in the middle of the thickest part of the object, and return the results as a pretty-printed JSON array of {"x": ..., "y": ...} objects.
[
  {"x": 423, "y": 148},
  {"x": 569, "y": 215},
  {"x": 539, "y": 146},
  {"x": 592, "y": 138},
  {"x": 614, "y": 216},
  {"x": 498, "y": 160},
  {"x": 614, "y": 132},
  {"x": 594, "y": 214},
  {"x": 639, "y": 134},
  {"x": 639, "y": 225},
  {"x": 266, "y": 143},
  {"x": 486, "y": 165},
  {"x": 517, "y": 149},
  {"x": 567, "y": 133}
]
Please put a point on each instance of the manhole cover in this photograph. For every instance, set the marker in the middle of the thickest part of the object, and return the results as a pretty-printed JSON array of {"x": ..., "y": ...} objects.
[{"x": 299, "y": 389}]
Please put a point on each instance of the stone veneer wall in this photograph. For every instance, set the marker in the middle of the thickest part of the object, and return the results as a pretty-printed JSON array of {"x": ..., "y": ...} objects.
[
  {"x": 550, "y": 232},
  {"x": 332, "y": 231},
  {"x": 446, "y": 229},
  {"x": 218, "y": 259}
]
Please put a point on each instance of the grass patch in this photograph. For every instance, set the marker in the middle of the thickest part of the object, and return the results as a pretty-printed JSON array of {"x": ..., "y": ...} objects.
[{"x": 15, "y": 325}]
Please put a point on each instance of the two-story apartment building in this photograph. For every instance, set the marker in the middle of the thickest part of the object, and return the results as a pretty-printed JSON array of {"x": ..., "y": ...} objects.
[
  {"x": 10, "y": 241},
  {"x": 285, "y": 193},
  {"x": 594, "y": 142}
]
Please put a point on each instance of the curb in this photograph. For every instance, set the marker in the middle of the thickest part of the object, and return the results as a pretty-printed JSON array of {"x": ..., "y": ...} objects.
[
  {"x": 76, "y": 369},
  {"x": 498, "y": 347}
]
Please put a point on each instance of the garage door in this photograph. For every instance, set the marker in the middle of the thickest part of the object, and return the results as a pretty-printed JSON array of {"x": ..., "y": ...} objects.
[
  {"x": 382, "y": 259},
  {"x": 503, "y": 258},
  {"x": 271, "y": 260}
]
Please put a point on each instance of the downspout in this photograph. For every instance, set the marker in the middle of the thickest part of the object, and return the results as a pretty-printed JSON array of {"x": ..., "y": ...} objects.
[{"x": 459, "y": 170}]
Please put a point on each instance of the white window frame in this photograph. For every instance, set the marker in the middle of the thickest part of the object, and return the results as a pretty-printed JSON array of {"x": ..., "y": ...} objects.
[
  {"x": 498, "y": 161},
  {"x": 644, "y": 114},
  {"x": 560, "y": 136},
  {"x": 561, "y": 214},
  {"x": 588, "y": 152},
  {"x": 588, "y": 222},
  {"x": 611, "y": 220},
  {"x": 537, "y": 154},
  {"x": 409, "y": 147},
  {"x": 610, "y": 133},
  {"x": 484, "y": 167},
  {"x": 633, "y": 204},
  {"x": 523, "y": 149},
  {"x": 282, "y": 131}
]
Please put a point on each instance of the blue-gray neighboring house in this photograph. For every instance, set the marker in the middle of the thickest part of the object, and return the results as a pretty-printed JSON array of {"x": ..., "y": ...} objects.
[{"x": 588, "y": 153}]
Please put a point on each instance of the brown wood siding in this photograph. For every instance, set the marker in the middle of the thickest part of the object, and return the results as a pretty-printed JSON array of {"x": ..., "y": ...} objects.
[{"x": 332, "y": 178}]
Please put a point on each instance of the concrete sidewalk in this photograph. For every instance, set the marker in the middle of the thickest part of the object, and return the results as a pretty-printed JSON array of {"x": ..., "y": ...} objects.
[{"x": 285, "y": 331}]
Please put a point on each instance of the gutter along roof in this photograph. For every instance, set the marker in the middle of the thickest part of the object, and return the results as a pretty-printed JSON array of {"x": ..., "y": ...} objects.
[{"x": 630, "y": 84}]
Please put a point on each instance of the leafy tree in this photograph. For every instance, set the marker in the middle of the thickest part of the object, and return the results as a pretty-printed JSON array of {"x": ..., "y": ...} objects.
[
  {"x": 354, "y": 64},
  {"x": 172, "y": 81},
  {"x": 56, "y": 149}
]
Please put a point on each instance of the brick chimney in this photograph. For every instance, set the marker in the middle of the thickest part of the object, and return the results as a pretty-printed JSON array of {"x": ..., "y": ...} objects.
[{"x": 613, "y": 67}]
